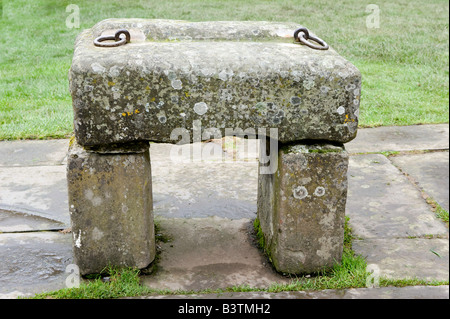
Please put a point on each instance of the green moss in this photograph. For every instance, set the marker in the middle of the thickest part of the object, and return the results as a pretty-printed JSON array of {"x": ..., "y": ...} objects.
[
  {"x": 325, "y": 150},
  {"x": 390, "y": 153},
  {"x": 260, "y": 238},
  {"x": 160, "y": 236},
  {"x": 259, "y": 233},
  {"x": 312, "y": 148}
]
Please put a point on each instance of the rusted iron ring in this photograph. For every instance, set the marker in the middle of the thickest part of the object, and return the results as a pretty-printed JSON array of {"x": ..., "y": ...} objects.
[
  {"x": 118, "y": 41},
  {"x": 302, "y": 35}
]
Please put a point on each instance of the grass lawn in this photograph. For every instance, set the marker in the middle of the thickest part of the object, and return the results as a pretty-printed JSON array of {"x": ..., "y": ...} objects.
[{"x": 404, "y": 62}]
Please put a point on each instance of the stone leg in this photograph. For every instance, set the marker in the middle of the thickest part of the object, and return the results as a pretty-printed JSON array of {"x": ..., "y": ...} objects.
[
  {"x": 301, "y": 208},
  {"x": 111, "y": 208}
]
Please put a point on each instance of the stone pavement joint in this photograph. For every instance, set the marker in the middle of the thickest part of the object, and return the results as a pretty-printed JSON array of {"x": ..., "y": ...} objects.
[{"x": 423, "y": 171}]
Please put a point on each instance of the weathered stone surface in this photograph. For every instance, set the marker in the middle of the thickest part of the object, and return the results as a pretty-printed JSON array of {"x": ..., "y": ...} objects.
[
  {"x": 301, "y": 207},
  {"x": 196, "y": 76},
  {"x": 205, "y": 179},
  {"x": 412, "y": 292},
  {"x": 32, "y": 190},
  {"x": 33, "y": 152},
  {"x": 33, "y": 262},
  {"x": 430, "y": 171},
  {"x": 400, "y": 138},
  {"x": 384, "y": 204},
  {"x": 110, "y": 199},
  {"x": 210, "y": 253},
  {"x": 400, "y": 258},
  {"x": 13, "y": 222}
]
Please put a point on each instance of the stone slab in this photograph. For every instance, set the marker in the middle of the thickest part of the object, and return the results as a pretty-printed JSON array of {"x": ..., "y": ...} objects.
[
  {"x": 178, "y": 77},
  {"x": 430, "y": 171},
  {"x": 400, "y": 258},
  {"x": 33, "y": 262},
  {"x": 205, "y": 189},
  {"x": 384, "y": 204},
  {"x": 210, "y": 253},
  {"x": 35, "y": 190},
  {"x": 400, "y": 138},
  {"x": 414, "y": 292},
  {"x": 33, "y": 153},
  {"x": 14, "y": 222}
]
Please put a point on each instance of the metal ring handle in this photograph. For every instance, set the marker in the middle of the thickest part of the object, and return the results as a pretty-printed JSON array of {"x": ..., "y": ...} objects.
[
  {"x": 118, "y": 41},
  {"x": 305, "y": 37},
  {"x": 122, "y": 31},
  {"x": 303, "y": 30}
]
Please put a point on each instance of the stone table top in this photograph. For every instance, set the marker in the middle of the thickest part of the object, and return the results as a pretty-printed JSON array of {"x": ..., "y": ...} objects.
[{"x": 176, "y": 79}]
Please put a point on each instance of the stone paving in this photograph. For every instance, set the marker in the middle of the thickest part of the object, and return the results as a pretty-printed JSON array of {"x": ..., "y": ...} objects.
[{"x": 207, "y": 207}]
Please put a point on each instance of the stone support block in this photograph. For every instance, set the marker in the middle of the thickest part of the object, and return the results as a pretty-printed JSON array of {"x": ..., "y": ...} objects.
[
  {"x": 301, "y": 208},
  {"x": 110, "y": 200}
]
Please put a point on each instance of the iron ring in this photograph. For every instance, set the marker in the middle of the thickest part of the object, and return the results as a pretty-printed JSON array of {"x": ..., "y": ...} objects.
[
  {"x": 118, "y": 41},
  {"x": 305, "y": 36}
]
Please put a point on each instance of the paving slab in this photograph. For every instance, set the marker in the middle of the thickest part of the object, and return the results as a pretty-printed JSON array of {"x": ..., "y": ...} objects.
[
  {"x": 33, "y": 262},
  {"x": 33, "y": 153},
  {"x": 205, "y": 189},
  {"x": 14, "y": 222},
  {"x": 218, "y": 178},
  {"x": 399, "y": 258},
  {"x": 413, "y": 292},
  {"x": 39, "y": 191},
  {"x": 400, "y": 138},
  {"x": 430, "y": 171},
  {"x": 210, "y": 253},
  {"x": 382, "y": 203}
]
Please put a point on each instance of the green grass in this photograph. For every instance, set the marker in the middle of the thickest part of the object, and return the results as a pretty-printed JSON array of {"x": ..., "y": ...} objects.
[
  {"x": 404, "y": 63},
  {"x": 125, "y": 282},
  {"x": 439, "y": 211}
]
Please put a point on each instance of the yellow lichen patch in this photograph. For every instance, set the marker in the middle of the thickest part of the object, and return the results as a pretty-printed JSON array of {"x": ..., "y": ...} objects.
[
  {"x": 347, "y": 119},
  {"x": 131, "y": 113},
  {"x": 72, "y": 141},
  {"x": 187, "y": 94},
  {"x": 110, "y": 83}
]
